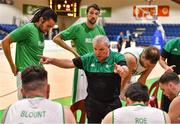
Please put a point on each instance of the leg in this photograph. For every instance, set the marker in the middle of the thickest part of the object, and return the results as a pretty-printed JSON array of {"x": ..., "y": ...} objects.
[
  {"x": 112, "y": 106},
  {"x": 127, "y": 44},
  {"x": 94, "y": 110}
]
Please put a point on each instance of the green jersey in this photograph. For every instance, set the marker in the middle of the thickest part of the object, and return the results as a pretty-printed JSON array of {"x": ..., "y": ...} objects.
[
  {"x": 29, "y": 43},
  {"x": 82, "y": 36},
  {"x": 171, "y": 52},
  {"x": 102, "y": 81}
]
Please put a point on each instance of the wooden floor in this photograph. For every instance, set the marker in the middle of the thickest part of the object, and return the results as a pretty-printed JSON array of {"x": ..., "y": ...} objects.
[{"x": 60, "y": 79}]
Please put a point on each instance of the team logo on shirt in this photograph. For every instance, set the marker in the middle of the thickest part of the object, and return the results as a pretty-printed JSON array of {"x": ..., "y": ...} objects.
[
  {"x": 40, "y": 43},
  {"x": 175, "y": 49},
  {"x": 88, "y": 40},
  {"x": 108, "y": 66},
  {"x": 92, "y": 65}
]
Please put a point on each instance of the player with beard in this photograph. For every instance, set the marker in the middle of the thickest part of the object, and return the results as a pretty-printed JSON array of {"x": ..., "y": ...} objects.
[
  {"x": 140, "y": 61},
  {"x": 170, "y": 85},
  {"x": 29, "y": 42},
  {"x": 82, "y": 35}
]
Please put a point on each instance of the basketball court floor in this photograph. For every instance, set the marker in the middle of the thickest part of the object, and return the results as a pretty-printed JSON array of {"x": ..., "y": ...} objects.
[{"x": 59, "y": 79}]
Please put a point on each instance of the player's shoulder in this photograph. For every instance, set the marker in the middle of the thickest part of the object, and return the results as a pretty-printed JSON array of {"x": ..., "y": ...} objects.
[
  {"x": 176, "y": 101},
  {"x": 28, "y": 25}
]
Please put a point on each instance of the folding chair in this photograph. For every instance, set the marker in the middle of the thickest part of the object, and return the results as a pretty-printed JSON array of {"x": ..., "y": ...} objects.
[
  {"x": 153, "y": 94},
  {"x": 79, "y": 105}
]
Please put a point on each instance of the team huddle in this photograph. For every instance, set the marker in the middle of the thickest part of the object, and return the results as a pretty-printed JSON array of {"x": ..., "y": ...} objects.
[{"x": 101, "y": 76}]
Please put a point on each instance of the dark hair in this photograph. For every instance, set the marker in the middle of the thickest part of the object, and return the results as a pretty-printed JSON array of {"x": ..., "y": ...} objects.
[
  {"x": 152, "y": 54},
  {"x": 33, "y": 77},
  {"x": 169, "y": 76},
  {"x": 45, "y": 12},
  {"x": 95, "y": 6},
  {"x": 137, "y": 92}
]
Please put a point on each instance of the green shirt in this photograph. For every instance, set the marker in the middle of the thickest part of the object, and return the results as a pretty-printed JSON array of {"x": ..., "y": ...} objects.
[
  {"x": 171, "y": 52},
  {"x": 173, "y": 46},
  {"x": 91, "y": 63},
  {"x": 29, "y": 43},
  {"x": 82, "y": 36},
  {"x": 102, "y": 81}
]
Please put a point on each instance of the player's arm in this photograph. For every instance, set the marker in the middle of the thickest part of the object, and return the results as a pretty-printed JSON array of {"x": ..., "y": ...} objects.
[
  {"x": 69, "y": 117},
  {"x": 5, "y": 118},
  {"x": 145, "y": 74},
  {"x": 123, "y": 71},
  {"x": 58, "y": 40},
  {"x": 62, "y": 63},
  {"x": 108, "y": 118},
  {"x": 125, "y": 81},
  {"x": 6, "y": 42},
  {"x": 173, "y": 112},
  {"x": 131, "y": 64},
  {"x": 162, "y": 62},
  {"x": 166, "y": 116}
]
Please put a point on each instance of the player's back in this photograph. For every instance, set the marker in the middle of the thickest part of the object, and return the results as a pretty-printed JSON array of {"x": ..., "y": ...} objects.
[
  {"x": 139, "y": 115},
  {"x": 35, "y": 110}
]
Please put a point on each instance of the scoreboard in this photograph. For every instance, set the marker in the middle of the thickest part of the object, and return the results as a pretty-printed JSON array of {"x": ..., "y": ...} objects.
[{"x": 66, "y": 7}]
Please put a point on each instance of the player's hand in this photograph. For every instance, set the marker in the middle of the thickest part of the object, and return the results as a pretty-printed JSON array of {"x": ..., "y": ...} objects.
[
  {"x": 170, "y": 68},
  {"x": 123, "y": 71},
  {"x": 44, "y": 59},
  {"x": 14, "y": 69},
  {"x": 76, "y": 54}
]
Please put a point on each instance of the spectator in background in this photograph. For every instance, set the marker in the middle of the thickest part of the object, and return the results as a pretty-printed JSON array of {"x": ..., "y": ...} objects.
[
  {"x": 10, "y": 2},
  {"x": 36, "y": 108},
  {"x": 82, "y": 35},
  {"x": 120, "y": 41},
  {"x": 160, "y": 28},
  {"x": 137, "y": 110},
  {"x": 170, "y": 61},
  {"x": 105, "y": 70},
  {"x": 129, "y": 39},
  {"x": 170, "y": 84},
  {"x": 29, "y": 42}
]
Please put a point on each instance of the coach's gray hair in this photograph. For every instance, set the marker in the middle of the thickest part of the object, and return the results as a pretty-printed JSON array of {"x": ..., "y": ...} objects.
[{"x": 100, "y": 39}]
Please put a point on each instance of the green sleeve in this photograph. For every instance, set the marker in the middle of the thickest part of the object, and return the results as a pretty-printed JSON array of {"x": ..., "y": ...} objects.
[
  {"x": 119, "y": 57},
  {"x": 112, "y": 117},
  {"x": 20, "y": 34},
  {"x": 69, "y": 33},
  {"x": 102, "y": 29},
  {"x": 86, "y": 59},
  {"x": 170, "y": 45}
]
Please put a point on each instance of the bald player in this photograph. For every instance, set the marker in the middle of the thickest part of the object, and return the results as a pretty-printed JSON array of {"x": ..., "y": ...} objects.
[{"x": 141, "y": 61}]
